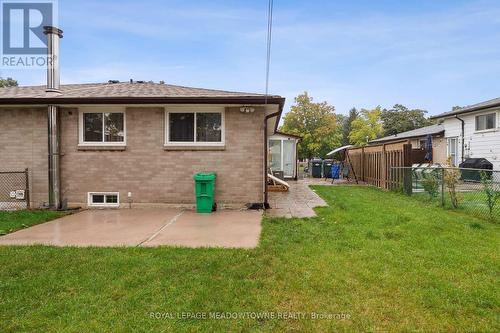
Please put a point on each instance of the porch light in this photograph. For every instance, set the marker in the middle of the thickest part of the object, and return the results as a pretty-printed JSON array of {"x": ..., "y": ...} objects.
[{"x": 247, "y": 109}]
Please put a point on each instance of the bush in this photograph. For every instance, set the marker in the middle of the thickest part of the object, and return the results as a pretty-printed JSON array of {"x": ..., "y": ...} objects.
[
  {"x": 430, "y": 183},
  {"x": 492, "y": 195},
  {"x": 451, "y": 177}
]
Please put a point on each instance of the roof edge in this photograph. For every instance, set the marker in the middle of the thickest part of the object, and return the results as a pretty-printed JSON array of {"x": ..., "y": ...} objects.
[
  {"x": 465, "y": 110},
  {"x": 145, "y": 100},
  {"x": 406, "y": 137},
  {"x": 287, "y": 134}
]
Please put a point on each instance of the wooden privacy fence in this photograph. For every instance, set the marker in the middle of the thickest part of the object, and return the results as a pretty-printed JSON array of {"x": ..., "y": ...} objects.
[{"x": 372, "y": 164}]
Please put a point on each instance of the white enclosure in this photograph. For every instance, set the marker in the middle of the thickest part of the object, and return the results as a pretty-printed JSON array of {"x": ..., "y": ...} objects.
[{"x": 282, "y": 149}]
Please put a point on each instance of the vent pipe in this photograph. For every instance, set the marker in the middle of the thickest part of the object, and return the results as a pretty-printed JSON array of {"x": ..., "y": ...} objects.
[
  {"x": 53, "y": 36},
  {"x": 53, "y": 86}
]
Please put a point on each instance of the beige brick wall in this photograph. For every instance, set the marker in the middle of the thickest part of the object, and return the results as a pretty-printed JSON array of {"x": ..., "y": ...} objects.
[
  {"x": 155, "y": 175},
  {"x": 23, "y": 144}
]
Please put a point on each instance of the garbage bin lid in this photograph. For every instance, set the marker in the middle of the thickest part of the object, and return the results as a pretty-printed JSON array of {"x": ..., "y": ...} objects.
[{"x": 204, "y": 176}]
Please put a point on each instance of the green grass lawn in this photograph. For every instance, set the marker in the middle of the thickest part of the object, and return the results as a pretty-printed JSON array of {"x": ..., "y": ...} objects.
[
  {"x": 472, "y": 203},
  {"x": 16, "y": 220},
  {"x": 389, "y": 262}
]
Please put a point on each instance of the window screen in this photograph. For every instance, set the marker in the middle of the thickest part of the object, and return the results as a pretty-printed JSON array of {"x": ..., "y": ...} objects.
[
  {"x": 181, "y": 127},
  {"x": 92, "y": 127}
]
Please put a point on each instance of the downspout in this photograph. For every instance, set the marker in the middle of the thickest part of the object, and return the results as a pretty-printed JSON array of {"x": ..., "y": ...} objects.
[
  {"x": 53, "y": 88},
  {"x": 463, "y": 137},
  {"x": 266, "y": 197}
]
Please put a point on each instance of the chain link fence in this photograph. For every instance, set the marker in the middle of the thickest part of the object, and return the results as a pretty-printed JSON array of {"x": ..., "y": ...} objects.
[
  {"x": 473, "y": 191},
  {"x": 14, "y": 190}
]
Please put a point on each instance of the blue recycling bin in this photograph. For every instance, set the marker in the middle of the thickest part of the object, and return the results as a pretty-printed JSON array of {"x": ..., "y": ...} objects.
[{"x": 336, "y": 171}]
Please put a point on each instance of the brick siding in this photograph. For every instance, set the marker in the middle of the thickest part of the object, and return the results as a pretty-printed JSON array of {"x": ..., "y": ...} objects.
[{"x": 153, "y": 175}]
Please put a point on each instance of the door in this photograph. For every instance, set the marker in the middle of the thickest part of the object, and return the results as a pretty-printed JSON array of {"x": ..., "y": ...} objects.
[
  {"x": 275, "y": 155},
  {"x": 452, "y": 150},
  {"x": 288, "y": 158}
]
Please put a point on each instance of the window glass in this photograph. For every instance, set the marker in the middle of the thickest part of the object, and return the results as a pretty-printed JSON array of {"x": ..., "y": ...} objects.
[
  {"x": 111, "y": 198},
  {"x": 98, "y": 198},
  {"x": 181, "y": 127},
  {"x": 209, "y": 127},
  {"x": 113, "y": 127},
  {"x": 452, "y": 150},
  {"x": 92, "y": 127},
  {"x": 485, "y": 122},
  {"x": 275, "y": 152}
]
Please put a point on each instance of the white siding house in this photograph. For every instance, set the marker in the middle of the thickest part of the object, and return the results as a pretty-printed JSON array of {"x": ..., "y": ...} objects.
[{"x": 480, "y": 136}]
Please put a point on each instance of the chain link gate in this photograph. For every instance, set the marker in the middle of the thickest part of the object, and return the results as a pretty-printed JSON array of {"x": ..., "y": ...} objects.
[{"x": 14, "y": 190}]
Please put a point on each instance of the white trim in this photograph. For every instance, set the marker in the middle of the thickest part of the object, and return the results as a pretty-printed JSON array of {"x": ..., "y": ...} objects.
[
  {"x": 195, "y": 110},
  {"x": 100, "y": 109},
  {"x": 104, "y": 204}
]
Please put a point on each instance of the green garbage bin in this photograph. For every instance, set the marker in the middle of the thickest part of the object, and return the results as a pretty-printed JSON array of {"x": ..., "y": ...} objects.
[{"x": 204, "y": 184}]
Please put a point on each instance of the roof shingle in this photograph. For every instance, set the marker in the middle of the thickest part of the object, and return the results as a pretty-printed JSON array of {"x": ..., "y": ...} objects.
[{"x": 121, "y": 89}]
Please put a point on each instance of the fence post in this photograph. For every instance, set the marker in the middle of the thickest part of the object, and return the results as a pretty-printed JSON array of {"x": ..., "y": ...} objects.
[
  {"x": 27, "y": 190},
  {"x": 407, "y": 185},
  {"x": 442, "y": 186},
  {"x": 363, "y": 163},
  {"x": 383, "y": 167}
]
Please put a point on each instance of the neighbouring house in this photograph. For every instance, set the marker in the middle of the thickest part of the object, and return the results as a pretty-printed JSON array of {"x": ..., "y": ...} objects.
[
  {"x": 473, "y": 132},
  {"x": 283, "y": 153},
  {"x": 115, "y": 143},
  {"x": 418, "y": 140}
]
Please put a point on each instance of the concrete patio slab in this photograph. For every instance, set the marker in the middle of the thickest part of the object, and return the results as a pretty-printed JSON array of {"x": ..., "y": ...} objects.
[
  {"x": 107, "y": 227},
  {"x": 145, "y": 227},
  {"x": 233, "y": 229}
]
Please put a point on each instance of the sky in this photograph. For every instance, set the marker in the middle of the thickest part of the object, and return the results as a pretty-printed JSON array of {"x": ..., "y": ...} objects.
[{"x": 427, "y": 54}]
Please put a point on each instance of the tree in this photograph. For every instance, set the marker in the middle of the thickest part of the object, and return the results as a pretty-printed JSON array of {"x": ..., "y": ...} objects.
[
  {"x": 367, "y": 126},
  {"x": 347, "y": 125},
  {"x": 401, "y": 119},
  {"x": 8, "y": 82},
  {"x": 316, "y": 123}
]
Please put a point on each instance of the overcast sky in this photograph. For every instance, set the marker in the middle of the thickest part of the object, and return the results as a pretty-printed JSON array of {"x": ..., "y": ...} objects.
[{"x": 429, "y": 54}]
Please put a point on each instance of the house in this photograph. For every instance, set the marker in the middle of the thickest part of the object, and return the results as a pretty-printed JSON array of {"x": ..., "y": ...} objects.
[
  {"x": 115, "y": 143},
  {"x": 283, "y": 154},
  {"x": 473, "y": 132},
  {"x": 418, "y": 139}
]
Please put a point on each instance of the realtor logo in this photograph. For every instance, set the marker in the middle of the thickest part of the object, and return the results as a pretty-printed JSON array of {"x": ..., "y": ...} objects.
[{"x": 23, "y": 41}]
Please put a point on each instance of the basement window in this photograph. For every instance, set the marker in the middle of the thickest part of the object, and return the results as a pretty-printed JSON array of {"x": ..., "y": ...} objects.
[
  {"x": 204, "y": 127},
  {"x": 102, "y": 128},
  {"x": 103, "y": 199}
]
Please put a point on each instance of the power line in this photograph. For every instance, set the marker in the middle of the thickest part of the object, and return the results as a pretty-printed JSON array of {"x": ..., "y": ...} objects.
[{"x": 269, "y": 39}]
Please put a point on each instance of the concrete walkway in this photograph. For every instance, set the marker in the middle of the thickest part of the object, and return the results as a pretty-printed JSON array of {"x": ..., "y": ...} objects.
[
  {"x": 145, "y": 227},
  {"x": 299, "y": 201}
]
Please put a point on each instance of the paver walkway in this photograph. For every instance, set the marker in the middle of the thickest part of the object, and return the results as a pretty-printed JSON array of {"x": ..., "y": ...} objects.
[{"x": 299, "y": 201}]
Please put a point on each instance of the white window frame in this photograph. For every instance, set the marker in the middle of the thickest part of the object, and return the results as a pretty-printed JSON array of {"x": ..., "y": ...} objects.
[
  {"x": 488, "y": 129},
  {"x": 103, "y": 204},
  {"x": 455, "y": 159},
  {"x": 195, "y": 110},
  {"x": 82, "y": 111}
]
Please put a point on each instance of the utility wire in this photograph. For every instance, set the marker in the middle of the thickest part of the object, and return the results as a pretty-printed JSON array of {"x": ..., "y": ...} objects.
[{"x": 269, "y": 39}]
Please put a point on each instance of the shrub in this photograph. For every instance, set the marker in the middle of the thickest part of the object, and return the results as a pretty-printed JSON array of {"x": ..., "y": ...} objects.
[
  {"x": 451, "y": 177},
  {"x": 492, "y": 195},
  {"x": 430, "y": 183}
]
